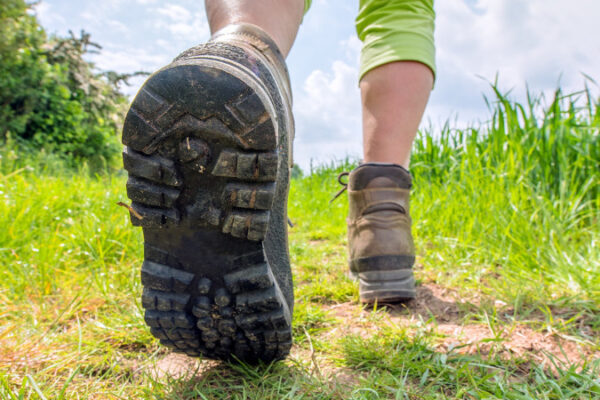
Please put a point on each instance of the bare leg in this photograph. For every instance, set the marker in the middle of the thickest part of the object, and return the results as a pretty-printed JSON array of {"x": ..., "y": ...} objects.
[
  {"x": 279, "y": 18},
  {"x": 394, "y": 97}
]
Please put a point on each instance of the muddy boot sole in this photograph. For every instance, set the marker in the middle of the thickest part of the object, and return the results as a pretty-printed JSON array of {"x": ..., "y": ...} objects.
[{"x": 208, "y": 181}]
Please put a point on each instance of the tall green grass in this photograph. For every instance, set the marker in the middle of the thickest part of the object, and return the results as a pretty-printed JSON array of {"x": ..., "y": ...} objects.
[
  {"x": 553, "y": 146},
  {"x": 520, "y": 194},
  {"x": 511, "y": 206},
  {"x": 508, "y": 211}
]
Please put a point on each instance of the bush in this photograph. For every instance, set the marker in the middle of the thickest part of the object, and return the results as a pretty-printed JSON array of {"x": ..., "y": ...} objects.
[{"x": 50, "y": 97}]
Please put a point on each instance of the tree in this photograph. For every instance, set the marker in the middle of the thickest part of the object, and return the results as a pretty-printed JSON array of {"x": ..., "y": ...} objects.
[{"x": 52, "y": 98}]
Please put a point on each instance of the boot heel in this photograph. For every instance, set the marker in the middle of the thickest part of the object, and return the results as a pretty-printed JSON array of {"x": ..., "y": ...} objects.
[{"x": 386, "y": 286}]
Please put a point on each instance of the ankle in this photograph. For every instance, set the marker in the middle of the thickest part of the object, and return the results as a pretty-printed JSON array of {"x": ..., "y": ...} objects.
[{"x": 373, "y": 175}]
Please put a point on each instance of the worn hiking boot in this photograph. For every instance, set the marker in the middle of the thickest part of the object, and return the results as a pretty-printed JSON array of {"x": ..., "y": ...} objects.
[
  {"x": 381, "y": 245},
  {"x": 208, "y": 147}
]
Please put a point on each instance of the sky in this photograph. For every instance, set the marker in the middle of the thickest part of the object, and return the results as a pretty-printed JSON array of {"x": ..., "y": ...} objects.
[{"x": 539, "y": 44}]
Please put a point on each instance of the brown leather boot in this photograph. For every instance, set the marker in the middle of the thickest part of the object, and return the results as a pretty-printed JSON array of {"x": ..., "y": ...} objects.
[{"x": 382, "y": 252}]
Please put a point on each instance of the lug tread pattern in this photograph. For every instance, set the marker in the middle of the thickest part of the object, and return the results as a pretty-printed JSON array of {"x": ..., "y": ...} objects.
[
  {"x": 253, "y": 197},
  {"x": 148, "y": 116},
  {"x": 144, "y": 192},
  {"x": 154, "y": 168},
  {"x": 155, "y": 180},
  {"x": 257, "y": 167},
  {"x": 164, "y": 278},
  {"x": 154, "y": 187},
  {"x": 252, "y": 223},
  {"x": 161, "y": 301},
  {"x": 170, "y": 150},
  {"x": 247, "y": 225},
  {"x": 249, "y": 279},
  {"x": 246, "y": 318},
  {"x": 151, "y": 217},
  {"x": 237, "y": 55}
]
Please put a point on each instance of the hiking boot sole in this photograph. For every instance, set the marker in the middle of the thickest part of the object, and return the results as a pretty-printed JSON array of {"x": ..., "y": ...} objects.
[
  {"x": 377, "y": 285},
  {"x": 207, "y": 173}
]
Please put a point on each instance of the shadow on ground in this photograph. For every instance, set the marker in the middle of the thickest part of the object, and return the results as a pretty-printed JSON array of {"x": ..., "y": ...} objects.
[
  {"x": 190, "y": 378},
  {"x": 432, "y": 302}
]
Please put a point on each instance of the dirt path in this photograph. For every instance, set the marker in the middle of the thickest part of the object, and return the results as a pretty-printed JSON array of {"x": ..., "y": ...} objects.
[{"x": 436, "y": 310}]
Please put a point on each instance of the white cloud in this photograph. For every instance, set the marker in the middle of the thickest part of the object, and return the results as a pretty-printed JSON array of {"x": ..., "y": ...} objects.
[
  {"x": 175, "y": 12},
  {"x": 129, "y": 60},
  {"x": 352, "y": 47},
  {"x": 327, "y": 113},
  {"x": 45, "y": 12},
  {"x": 534, "y": 42},
  {"x": 182, "y": 22},
  {"x": 331, "y": 98},
  {"x": 118, "y": 26}
]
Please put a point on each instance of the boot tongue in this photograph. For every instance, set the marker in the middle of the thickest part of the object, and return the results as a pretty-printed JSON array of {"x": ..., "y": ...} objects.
[{"x": 373, "y": 175}]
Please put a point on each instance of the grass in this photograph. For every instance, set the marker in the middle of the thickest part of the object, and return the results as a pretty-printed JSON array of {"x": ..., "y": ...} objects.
[{"x": 506, "y": 220}]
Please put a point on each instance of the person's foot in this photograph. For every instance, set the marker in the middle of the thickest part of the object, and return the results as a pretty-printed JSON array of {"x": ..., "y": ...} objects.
[
  {"x": 379, "y": 232},
  {"x": 208, "y": 147}
]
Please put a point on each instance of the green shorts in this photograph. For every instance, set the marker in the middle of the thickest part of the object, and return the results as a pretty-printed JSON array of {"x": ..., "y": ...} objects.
[{"x": 394, "y": 30}]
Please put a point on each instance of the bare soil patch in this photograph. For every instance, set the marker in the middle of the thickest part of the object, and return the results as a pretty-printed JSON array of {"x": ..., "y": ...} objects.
[
  {"x": 178, "y": 366},
  {"x": 437, "y": 308}
]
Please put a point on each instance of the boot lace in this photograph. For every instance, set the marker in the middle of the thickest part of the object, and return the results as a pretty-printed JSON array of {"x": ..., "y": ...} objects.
[{"x": 344, "y": 184}]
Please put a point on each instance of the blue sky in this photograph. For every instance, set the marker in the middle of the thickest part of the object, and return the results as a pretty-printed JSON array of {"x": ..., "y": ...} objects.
[{"x": 541, "y": 42}]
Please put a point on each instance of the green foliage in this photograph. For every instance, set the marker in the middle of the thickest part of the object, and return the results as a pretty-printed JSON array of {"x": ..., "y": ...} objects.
[
  {"x": 492, "y": 225},
  {"x": 296, "y": 171},
  {"x": 554, "y": 148},
  {"x": 50, "y": 97},
  {"x": 510, "y": 207},
  {"x": 407, "y": 367},
  {"x": 518, "y": 197}
]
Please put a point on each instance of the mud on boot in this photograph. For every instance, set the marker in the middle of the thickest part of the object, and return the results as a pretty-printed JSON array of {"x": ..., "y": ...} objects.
[{"x": 208, "y": 147}]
